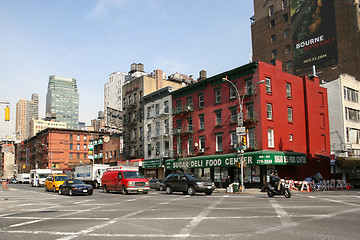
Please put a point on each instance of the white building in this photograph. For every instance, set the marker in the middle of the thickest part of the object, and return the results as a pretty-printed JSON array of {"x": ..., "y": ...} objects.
[
  {"x": 157, "y": 133},
  {"x": 344, "y": 119},
  {"x": 37, "y": 125}
]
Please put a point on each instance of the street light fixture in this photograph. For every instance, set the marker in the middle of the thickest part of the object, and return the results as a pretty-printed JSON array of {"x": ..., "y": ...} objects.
[{"x": 240, "y": 124}]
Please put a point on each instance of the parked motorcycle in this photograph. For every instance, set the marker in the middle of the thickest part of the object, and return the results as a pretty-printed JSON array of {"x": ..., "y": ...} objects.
[{"x": 272, "y": 191}]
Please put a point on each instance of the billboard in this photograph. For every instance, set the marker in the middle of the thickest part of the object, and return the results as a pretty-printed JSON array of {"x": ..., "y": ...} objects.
[{"x": 314, "y": 34}]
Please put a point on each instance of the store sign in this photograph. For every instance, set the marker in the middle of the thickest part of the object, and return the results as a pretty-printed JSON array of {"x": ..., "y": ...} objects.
[
  {"x": 152, "y": 163},
  {"x": 274, "y": 158}
]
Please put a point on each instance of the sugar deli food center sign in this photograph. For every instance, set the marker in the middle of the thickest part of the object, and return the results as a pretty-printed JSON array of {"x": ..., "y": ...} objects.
[
  {"x": 232, "y": 160},
  {"x": 314, "y": 34}
]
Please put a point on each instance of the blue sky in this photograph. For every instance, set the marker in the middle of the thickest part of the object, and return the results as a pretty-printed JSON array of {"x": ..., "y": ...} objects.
[{"x": 89, "y": 39}]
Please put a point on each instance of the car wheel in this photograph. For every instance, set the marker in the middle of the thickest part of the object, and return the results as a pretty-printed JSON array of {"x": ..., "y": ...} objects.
[
  {"x": 106, "y": 190},
  {"x": 54, "y": 189},
  {"x": 60, "y": 191},
  {"x": 191, "y": 190},
  {"x": 168, "y": 190},
  {"x": 161, "y": 188},
  {"x": 145, "y": 192},
  {"x": 124, "y": 190},
  {"x": 208, "y": 193},
  {"x": 71, "y": 193}
]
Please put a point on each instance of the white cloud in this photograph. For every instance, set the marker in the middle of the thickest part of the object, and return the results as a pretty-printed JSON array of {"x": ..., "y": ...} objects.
[{"x": 102, "y": 8}]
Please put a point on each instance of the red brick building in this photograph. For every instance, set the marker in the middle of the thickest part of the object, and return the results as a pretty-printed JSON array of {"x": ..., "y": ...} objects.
[
  {"x": 56, "y": 148},
  {"x": 286, "y": 120}
]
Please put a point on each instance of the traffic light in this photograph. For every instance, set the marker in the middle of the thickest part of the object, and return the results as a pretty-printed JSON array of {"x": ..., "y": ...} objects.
[
  {"x": 7, "y": 114},
  {"x": 243, "y": 142}
]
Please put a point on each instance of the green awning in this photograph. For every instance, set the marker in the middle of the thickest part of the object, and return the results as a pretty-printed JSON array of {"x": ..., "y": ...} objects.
[
  {"x": 151, "y": 163},
  {"x": 266, "y": 157}
]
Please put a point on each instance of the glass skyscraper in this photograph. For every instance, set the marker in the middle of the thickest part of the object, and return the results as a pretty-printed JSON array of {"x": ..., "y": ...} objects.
[{"x": 62, "y": 100}]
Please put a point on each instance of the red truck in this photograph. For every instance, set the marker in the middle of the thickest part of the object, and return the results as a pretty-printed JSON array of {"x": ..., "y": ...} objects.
[{"x": 124, "y": 180}]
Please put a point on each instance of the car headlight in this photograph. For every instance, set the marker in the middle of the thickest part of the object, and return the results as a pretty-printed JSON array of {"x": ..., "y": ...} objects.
[
  {"x": 147, "y": 184},
  {"x": 131, "y": 184},
  {"x": 213, "y": 184},
  {"x": 200, "y": 183}
]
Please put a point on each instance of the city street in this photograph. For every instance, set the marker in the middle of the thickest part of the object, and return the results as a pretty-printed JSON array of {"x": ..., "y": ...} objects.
[{"x": 31, "y": 213}]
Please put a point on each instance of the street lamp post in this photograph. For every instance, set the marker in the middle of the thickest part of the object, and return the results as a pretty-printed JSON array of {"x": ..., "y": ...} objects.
[{"x": 240, "y": 124}]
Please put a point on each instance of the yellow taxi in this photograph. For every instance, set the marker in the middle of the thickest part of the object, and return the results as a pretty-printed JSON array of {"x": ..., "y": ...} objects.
[{"x": 53, "y": 181}]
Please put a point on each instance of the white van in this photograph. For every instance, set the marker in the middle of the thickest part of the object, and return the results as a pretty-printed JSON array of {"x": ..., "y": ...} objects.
[{"x": 38, "y": 176}]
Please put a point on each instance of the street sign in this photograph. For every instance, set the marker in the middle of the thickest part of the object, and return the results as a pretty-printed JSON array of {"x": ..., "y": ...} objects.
[
  {"x": 240, "y": 119},
  {"x": 241, "y": 131}
]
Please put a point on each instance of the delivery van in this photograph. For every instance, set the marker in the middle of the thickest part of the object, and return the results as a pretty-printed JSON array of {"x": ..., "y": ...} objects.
[{"x": 124, "y": 180}]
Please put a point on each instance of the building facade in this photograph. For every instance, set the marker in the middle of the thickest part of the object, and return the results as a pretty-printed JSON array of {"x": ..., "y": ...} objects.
[
  {"x": 344, "y": 115},
  {"x": 306, "y": 33},
  {"x": 157, "y": 132},
  {"x": 26, "y": 111},
  {"x": 62, "y": 100},
  {"x": 37, "y": 125},
  {"x": 285, "y": 129},
  {"x": 7, "y": 158},
  {"x": 57, "y": 149},
  {"x": 133, "y": 109}
]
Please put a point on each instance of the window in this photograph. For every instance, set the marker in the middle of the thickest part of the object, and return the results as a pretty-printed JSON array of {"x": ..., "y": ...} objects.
[
  {"x": 149, "y": 150},
  {"x": 130, "y": 100},
  {"x": 85, "y": 146},
  {"x": 352, "y": 114},
  {"x": 218, "y": 95},
  {"x": 269, "y": 111},
  {"x": 190, "y": 146},
  {"x": 189, "y": 102},
  {"x": 287, "y": 49},
  {"x": 291, "y": 137},
  {"x": 268, "y": 85},
  {"x": 149, "y": 130},
  {"x": 135, "y": 95},
  {"x": 271, "y": 138},
  {"x": 251, "y": 137},
  {"x": 78, "y": 155},
  {"x": 166, "y": 126},
  {"x": 250, "y": 111},
  {"x": 234, "y": 138},
  {"x": 148, "y": 112},
  {"x": 249, "y": 86},
  {"x": 178, "y": 106},
  {"x": 166, "y": 107},
  {"x": 273, "y": 53},
  {"x": 290, "y": 114},
  {"x": 286, "y": 17},
  {"x": 78, "y": 137},
  {"x": 286, "y": 33},
  {"x": 78, "y": 146},
  {"x": 273, "y": 38},
  {"x": 85, "y": 156},
  {"x": 271, "y": 10},
  {"x": 71, "y": 137},
  {"x": 201, "y": 122},
  {"x": 273, "y": 62},
  {"x": 272, "y": 23},
  {"x": 321, "y": 99},
  {"x": 232, "y": 92},
  {"x": 322, "y": 120},
  {"x": 85, "y": 138},
  {"x": 201, "y": 100},
  {"x": 141, "y": 132},
  {"x": 233, "y": 113},
  {"x": 134, "y": 132},
  {"x": 124, "y": 101},
  {"x": 71, "y": 146},
  {"x": 157, "y": 149},
  {"x": 351, "y": 95},
  {"x": 218, "y": 119},
  {"x": 190, "y": 124},
  {"x": 219, "y": 146},
  {"x": 71, "y": 156},
  {"x": 284, "y": 4},
  {"x": 178, "y": 125},
  {"x": 157, "y": 109},
  {"x": 289, "y": 65},
  {"x": 202, "y": 142},
  {"x": 288, "y": 90}
]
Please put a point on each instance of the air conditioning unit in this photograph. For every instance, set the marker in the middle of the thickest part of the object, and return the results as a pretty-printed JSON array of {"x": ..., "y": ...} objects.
[{"x": 201, "y": 150}]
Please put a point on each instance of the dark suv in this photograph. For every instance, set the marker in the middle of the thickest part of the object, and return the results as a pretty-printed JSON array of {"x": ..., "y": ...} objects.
[{"x": 181, "y": 182}]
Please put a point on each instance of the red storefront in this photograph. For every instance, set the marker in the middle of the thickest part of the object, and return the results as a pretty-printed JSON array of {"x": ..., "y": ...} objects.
[{"x": 286, "y": 118}]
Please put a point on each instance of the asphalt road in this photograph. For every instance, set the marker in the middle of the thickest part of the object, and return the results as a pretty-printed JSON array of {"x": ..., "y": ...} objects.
[{"x": 31, "y": 213}]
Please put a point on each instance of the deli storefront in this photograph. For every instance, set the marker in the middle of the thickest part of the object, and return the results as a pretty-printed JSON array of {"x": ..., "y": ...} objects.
[{"x": 218, "y": 168}]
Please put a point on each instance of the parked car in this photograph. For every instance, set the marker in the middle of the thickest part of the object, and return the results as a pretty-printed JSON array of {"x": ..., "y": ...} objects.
[
  {"x": 124, "y": 180},
  {"x": 181, "y": 182},
  {"x": 13, "y": 180},
  {"x": 157, "y": 184},
  {"x": 53, "y": 181},
  {"x": 75, "y": 187}
]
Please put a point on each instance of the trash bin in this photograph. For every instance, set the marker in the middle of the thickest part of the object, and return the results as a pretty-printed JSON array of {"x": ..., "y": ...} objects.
[{"x": 236, "y": 187}]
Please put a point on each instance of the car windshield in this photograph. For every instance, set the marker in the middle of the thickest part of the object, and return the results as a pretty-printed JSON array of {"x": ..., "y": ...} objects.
[
  {"x": 43, "y": 175},
  {"x": 132, "y": 174},
  {"x": 61, "y": 178},
  {"x": 75, "y": 181}
]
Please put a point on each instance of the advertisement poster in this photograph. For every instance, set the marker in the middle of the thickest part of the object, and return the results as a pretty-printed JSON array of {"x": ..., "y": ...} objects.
[{"x": 314, "y": 33}]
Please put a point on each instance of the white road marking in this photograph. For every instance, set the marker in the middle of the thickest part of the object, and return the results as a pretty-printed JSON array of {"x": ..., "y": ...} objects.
[{"x": 282, "y": 214}]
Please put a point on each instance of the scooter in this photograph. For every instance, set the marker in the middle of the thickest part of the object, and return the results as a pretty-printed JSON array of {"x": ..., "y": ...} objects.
[{"x": 272, "y": 191}]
